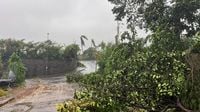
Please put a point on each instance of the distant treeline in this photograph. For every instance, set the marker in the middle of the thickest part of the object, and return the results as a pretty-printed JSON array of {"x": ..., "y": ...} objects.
[{"x": 37, "y": 50}]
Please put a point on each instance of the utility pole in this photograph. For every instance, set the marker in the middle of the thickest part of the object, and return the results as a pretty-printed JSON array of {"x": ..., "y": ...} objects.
[
  {"x": 47, "y": 58},
  {"x": 118, "y": 35},
  {"x": 48, "y": 36}
]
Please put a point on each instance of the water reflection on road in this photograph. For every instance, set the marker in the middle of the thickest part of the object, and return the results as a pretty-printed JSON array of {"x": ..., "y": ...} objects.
[{"x": 90, "y": 66}]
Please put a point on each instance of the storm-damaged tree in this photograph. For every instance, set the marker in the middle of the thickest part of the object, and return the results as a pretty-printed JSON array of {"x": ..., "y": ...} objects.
[
  {"x": 149, "y": 77},
  {"x": 172, "y": 23},
  {"x": 17, "y": 67}
]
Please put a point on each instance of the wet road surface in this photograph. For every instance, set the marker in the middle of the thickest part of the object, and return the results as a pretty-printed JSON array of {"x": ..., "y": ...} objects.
[{"x": 41, "y": 95}]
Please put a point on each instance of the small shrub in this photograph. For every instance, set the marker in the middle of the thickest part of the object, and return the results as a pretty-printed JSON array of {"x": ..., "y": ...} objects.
[
  {"x": 2, "y": 92},
  {"x": 81, "y": 103},
  {"x": 74, "y": 77},
  {"x": 76, "y": 106}
]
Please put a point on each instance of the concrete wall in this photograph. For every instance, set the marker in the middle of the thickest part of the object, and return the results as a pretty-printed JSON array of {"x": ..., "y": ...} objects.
[{"x": 38, "y": 67}]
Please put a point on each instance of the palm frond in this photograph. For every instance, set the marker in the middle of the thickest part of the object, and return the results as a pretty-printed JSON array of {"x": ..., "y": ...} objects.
[
  {"x": 93, "y": 43},
  {"x": 82, "y": 42},
  {"x": 83, "y": 36}
]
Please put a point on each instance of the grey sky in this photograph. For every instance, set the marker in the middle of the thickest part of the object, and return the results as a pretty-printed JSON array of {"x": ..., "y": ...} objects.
[{"x": 65, "y": 20}]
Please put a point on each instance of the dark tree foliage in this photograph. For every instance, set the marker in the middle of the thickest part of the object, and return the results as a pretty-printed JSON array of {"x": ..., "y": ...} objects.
[
  {"x": 177, "y": 15},
  {"x": 40, "y": 50},
  {"x": 71, "y": 51},
  {"x": 89, "y": 54},
  {"x": 9, "y": 46}
]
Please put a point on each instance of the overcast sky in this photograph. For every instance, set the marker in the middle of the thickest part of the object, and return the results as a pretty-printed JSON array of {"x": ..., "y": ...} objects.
[{"x": 65, "y": 20}]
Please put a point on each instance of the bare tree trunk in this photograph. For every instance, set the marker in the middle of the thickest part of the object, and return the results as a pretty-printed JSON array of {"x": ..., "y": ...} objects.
[{"x": 182, "y": 107}]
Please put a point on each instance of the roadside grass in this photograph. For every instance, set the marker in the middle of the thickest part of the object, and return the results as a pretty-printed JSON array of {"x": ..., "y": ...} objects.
[{"x": 2, "y": 92}]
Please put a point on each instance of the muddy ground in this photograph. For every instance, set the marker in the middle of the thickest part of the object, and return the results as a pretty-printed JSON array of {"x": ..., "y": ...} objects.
[{"x": 40, "y": 95}]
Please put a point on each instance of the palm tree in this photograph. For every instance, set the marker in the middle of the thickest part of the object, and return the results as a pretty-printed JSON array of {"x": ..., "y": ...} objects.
[
  {"x": 93, "y": 43},
  {"x": 83, "y": 37}
]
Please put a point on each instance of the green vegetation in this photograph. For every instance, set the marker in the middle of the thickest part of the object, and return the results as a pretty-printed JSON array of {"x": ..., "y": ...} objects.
[
  {"x": 159, "y": 73},
  {"x": 89, "y": 54},
  {"x": 83, "y": 105},
  {"x": 174, "y": 15},
  {"x": 74, "y": 76},
  {"x": 9, "y": 46},
  {"x": 155, "y": 81},
  {"x": 92, "y": 52},
  {"x": 103, "y": 56},
  {"x": 16, "y": 65},
  {"x": 47, "y": 50},
  {"x": 70, "y": 52},
  {"x": 39, "y": 50}
]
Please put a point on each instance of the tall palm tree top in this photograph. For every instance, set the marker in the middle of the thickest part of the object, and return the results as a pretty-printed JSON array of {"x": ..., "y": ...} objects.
[
  {"x": 84, "y": 37},
  {"x": 82, "y": 40}
]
